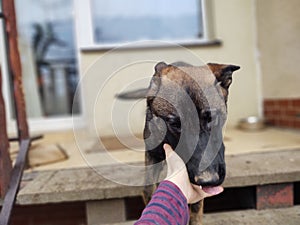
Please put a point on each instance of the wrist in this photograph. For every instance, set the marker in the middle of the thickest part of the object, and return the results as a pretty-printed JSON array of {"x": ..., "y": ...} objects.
[{"x": 181, "y": 186}]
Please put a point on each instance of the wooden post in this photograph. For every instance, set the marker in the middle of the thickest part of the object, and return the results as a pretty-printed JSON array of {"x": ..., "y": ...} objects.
[
  {"x": 5, "y": 161},
  {"x": 15, "y": 67}
]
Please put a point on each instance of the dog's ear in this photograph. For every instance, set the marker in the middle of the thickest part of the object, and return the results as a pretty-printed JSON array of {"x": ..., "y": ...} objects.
[
  {"x": 223, "y": 73},
  {"x": 151, "y": 90},
  {"x": 159, "y": 67}
]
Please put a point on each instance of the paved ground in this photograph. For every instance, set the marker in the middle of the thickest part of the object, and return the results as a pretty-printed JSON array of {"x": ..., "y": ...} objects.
[{"x": 284, "y": 216}]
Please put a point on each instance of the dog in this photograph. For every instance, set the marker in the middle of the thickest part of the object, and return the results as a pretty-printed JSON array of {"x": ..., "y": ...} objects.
[{"x": 186, "y": 108}]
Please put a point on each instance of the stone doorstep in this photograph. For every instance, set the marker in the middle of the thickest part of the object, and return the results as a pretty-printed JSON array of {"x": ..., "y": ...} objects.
[
  {"x": 257, "y": 169},
  {"x": 289, "y": 216},
  {"x": 84, "y": 184}
]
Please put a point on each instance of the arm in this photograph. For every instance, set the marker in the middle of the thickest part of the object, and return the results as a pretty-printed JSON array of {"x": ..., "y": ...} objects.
[{"x": 167, "y": 206}]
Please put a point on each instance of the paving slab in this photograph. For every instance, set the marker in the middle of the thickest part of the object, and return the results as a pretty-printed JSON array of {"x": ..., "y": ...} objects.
[
  {"x": 83, "y": 184},
  {"x": 85, "y": 149},
  {"x": 287, "y": 216},
  {"x": 262, "y": 168}
]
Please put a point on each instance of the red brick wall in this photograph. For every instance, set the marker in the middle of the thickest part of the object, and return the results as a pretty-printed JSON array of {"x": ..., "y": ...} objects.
[
  {"x": 282, "y": 112},
  {"x": 50, "y": 214}
]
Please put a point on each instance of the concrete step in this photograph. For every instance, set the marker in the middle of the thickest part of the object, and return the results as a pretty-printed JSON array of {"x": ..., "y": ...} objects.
[
  {"x": 74, "y": 184},
  {"x": 286, "y": 216}
]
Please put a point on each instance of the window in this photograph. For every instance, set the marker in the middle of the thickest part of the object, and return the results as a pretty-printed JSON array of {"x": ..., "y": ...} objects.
[
  {"x": 52, "y": 32},
  {"x": 48, "y": 54},
  {"x": 110, "y": 23}
]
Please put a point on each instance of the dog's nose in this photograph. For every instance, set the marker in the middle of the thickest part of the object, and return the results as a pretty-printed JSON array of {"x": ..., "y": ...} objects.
[{"x": 207, "y": 178}]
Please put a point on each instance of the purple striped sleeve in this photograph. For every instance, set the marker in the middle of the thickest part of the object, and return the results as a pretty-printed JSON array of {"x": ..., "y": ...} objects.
[{"x": 168, "y": 206}]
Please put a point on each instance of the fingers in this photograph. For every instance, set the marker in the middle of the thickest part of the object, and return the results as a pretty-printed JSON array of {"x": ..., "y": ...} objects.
[
  {"x": 173, "y": 160},
  {"x": 197, "y": 194}
]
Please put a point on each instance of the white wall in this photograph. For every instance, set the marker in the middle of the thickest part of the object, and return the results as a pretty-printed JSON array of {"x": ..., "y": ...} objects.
[{"x": 278, "y": 38}]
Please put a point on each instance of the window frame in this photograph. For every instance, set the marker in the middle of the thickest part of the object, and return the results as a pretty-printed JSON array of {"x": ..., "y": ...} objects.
[
  {"x": 41, "y": 124},
  {"x": 85, "y": 34}
]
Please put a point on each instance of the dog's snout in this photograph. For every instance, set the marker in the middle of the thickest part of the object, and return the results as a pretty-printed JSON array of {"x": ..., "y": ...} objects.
[
  {"x": 207, "y": 179},
  {"x": 213, "y": 176}
]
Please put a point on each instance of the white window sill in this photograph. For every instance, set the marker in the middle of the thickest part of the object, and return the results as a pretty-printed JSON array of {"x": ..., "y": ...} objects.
[{"x": 152, "y": 44}]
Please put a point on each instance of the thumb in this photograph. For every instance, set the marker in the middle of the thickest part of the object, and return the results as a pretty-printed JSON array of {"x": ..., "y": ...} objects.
[
  {"x": 174, "y": 162},
  {"x": 168, "y": 150},
  {"x": 170, "y": 159}
]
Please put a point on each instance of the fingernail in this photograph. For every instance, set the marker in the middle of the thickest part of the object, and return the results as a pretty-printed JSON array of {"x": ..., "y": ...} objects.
[{"x": 166, "y": 147}]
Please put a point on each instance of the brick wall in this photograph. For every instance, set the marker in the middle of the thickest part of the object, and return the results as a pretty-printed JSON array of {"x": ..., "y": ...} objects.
[{"x": 282, "y": 112}]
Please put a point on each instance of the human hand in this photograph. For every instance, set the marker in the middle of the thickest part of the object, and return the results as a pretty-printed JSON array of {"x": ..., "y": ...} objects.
[{"x": 177, "y": 174}]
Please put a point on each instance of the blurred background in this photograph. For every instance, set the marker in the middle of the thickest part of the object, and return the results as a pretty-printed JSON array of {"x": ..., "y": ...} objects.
[{"x": 62, "y": 40}]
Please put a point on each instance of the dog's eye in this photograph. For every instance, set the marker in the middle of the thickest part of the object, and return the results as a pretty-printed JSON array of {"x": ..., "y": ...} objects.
[
  {"x": 206, "y": 116},
  {"x": 210, "y": 118},
  {"x": 174, "y": 122}
]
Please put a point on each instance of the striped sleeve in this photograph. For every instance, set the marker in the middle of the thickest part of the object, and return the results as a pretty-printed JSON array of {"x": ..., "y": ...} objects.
[{"x": 168, "y": 206}]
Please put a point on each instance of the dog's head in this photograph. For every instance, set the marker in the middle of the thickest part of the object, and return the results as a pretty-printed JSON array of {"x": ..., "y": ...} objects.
[{"x": 186, "y": 107}]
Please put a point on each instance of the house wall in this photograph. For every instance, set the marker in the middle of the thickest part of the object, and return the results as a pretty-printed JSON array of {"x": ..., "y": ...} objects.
[
  {"x": 234, "y": 26},
  {"x": 278, "y": 41}
]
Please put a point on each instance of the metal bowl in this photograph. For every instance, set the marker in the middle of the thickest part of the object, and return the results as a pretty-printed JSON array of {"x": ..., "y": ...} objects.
[{"x": 251, "y": 123}]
